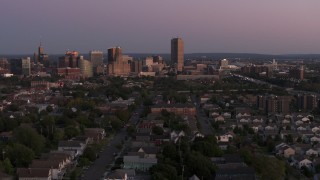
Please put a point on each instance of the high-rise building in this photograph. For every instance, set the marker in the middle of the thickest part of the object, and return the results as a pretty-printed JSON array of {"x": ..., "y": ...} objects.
[
  {"x": 69, "y": 60},
  {"x": 42, "y": 57},
  {"x": 136, "y": 66},
  {"x": 113, "y": 53},
  {"x": 118, "y": 64},
  {"x": 96, "y": 58},
  {"x": 85, "y": 67},
  {"x": 307, "y": 102},
  {"x": 274, "y": 104},
  {"x": 177, "y": 53},
  {"x": 21, "y": 66}
]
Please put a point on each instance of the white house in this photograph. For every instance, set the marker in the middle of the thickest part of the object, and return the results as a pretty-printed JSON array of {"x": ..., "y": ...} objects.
[
  {"x": 311, "y": 152},
  {"x": 305, "y": 162}
]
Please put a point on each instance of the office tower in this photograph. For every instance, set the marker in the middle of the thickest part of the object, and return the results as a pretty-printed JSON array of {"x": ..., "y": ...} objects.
[
  {"x": 96, "y": 58},
  {"x": 41, "y": 57},
  {"x": 69, "y": 60},
  {"x": 26, "y": 66},
  {"x": 177, "y": 53},
  {"x": 136, "y": 66},
  {"x": 85, "y": 67},
  {"x": 118, "y": 64},
  {"x": 113, "y": 53},
  {"x": 21, "y": 66}
]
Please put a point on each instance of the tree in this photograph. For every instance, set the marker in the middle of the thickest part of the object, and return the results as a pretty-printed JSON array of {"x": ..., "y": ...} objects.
[
  {"x": 123, "y": 115},
  {"x": 89, "y": 153},
  {"x": 199, "y": 165},
  {"x": 163, "y": 171},
  {"x": 20, "y": 155},
  {"x": 71, "y": 131},
  {"x": 269, "y": 167},
  {"x": 7, "y": 166},
  {"x": 47, "y": 124},
  {"x": 157, "y": 130},
  {"x": 306, "y": 171},
  {"x": 131, "y": 130},
  {"x": 49, "y": 108},
  {"x": 57, "y": 136},
  {"x": 84, "y": 162},
  {"x": 207, "y": 149},
  {"x": 30, "y": 138},
  {"x": 170, "y": 151},
  {"x": 116, "y": 124}
]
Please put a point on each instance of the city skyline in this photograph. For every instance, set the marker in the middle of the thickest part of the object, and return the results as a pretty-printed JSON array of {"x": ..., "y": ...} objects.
[{"x": 273, "y": 27}]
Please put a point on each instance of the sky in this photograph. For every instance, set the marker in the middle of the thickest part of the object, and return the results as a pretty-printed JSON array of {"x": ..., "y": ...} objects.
[{"x": 146, "y": 26}]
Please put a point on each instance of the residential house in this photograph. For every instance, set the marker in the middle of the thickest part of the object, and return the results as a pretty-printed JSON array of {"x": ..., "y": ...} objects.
[
  {"x": 34, "y": 173},
  {"x": 76, "y": 146},
  {"x": 287, "y": 152},
  {"x": 227, "y": 115},
  {"x": 315, "y": 139},
  {"x": 94, "y": 134},
  {"x": 64, "y": 158},
  {"x": 225, "y": 137},
  {"x": 194, "y": 177},
  {"x": 233, "y": 167},
  {"x": 121, "y": 174},
  {"x": 4, "y": 176},
  {"x": 301, "y": 148},
  {"x": 175, "y": 136},
  {"x": 219, "y": 119},
  {"x": 315, "y": 130},
  {"x": 242, "y": 113},
  {"x": 56, "y": 167},
  {"x": 305, "y": 162},
  {"x": 138, "y": 163},
  {"x": 284, "y": 150},
  {"x": 144, "y": 137},
  {"x": 312, "y": 152}
]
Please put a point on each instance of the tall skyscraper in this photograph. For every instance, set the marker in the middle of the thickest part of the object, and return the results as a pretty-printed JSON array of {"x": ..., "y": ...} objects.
[
  {"x": 177, "y": 53},
  {"x": 118, "y": 64},
  {"x": 96, "y": 58},
  {"x": 42, "y": 57},
  {"x": 113, "y": 53}
]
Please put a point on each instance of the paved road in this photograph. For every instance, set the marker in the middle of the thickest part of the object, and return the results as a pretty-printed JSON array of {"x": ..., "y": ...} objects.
[
  {"x": 99, "y": 167},
  {"x": 106, "y": 157},
  {"x": 206, "y": 127}
]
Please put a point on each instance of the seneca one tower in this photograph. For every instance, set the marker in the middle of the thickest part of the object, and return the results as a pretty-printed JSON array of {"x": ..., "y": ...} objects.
[{"x": 177, "y": 54}]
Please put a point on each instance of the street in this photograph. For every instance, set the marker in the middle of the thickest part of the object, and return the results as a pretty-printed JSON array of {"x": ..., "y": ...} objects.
[{"x": 106, "y": 158}]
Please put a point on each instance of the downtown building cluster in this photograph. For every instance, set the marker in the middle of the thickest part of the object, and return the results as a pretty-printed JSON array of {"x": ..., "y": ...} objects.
[{"x": 74, "y": 66}]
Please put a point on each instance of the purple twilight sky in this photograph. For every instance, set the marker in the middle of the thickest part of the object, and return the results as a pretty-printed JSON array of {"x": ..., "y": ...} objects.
[{"x": 146, "y": 26}]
